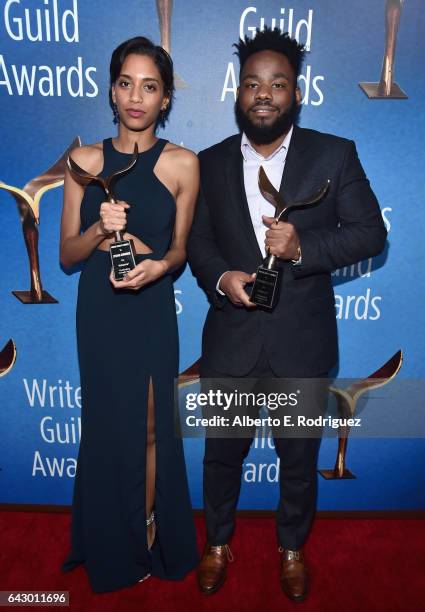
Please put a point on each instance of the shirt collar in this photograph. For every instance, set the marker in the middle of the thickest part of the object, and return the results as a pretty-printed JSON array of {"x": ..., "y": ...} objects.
[{"x": 248, "y": 151}]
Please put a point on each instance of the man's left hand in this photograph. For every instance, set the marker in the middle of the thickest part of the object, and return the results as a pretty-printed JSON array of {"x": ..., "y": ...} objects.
[{"x": 282, "y": 239}]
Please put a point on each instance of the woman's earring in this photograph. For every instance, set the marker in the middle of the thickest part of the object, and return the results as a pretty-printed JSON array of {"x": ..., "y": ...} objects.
[{"x": 116, "y": 113}]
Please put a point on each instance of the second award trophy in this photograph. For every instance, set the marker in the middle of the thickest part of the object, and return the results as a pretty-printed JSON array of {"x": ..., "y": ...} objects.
[
  {"x": 265, "y": 290},
  {"x": 122, "y": 251}
]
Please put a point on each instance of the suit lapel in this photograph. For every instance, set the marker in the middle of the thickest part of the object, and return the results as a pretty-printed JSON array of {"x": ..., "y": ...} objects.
[
  {"x": 294, "y": 179},
  {"x": 236, "y": 186}
]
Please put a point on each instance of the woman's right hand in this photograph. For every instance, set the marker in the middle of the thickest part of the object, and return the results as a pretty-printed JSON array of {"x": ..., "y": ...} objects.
[{"x": 113, "y": 217}]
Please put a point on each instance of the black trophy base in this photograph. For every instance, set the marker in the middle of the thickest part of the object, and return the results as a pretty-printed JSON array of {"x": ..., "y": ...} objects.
[
  {"x": 333, "y": 475},
  {"x": 265, "y": 288},
  {"x": 122, "y": 258},
  {"x": 373, "y": 92},
  {"x": 29, "y": 297}
]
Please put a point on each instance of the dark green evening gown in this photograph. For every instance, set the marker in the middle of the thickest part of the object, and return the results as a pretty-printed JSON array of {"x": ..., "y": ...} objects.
[{"x": 126, "y": 338}]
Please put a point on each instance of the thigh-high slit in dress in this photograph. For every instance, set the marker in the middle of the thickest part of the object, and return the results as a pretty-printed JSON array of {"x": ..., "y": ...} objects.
[{"x": 126, "y": 340}]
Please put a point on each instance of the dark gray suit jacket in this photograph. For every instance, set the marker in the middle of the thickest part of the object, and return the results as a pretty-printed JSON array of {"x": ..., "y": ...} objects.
[{"x": 300, "y": 335}]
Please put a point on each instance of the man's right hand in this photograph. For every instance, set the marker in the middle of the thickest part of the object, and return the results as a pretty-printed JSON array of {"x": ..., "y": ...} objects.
[{"x": 232, "y": 284}]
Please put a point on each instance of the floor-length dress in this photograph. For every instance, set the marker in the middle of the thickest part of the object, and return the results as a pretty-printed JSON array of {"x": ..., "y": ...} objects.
[{"x": 125, "y": 339}]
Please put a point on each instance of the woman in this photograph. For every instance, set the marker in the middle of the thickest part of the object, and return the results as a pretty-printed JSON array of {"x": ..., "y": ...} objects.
[{"x": 131, "y": 508}]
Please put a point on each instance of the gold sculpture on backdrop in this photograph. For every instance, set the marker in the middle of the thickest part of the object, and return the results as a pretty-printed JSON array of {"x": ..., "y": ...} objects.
[
  {"x": 28, "y": 203},
  {"x": 347, "y": 400},
  {"x": 7, "y": 357},
  {"x": 164, "y": 8},
  {"x": 387, "y": 88}
]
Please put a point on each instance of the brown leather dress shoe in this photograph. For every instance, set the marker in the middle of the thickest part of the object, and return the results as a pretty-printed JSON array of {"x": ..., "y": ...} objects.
[
  {"x": 213, "y": 567},
  {"x": 293, "y": 574}
]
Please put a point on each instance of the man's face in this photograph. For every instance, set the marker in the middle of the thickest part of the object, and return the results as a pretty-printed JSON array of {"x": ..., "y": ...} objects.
[{"x": 268, "y": 98}]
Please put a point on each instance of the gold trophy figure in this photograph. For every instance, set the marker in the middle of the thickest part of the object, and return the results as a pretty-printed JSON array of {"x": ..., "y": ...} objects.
[
  {"x": 7, "y": 357},
  {"x": 264, "y": 292},
  {"x": 387, "y": 88},
  {"x": 164, "y": 9},
  {"x": 347, "y": 400},
  {"x": 28, "y": 203},
  {"x": 122, "y": 251}
]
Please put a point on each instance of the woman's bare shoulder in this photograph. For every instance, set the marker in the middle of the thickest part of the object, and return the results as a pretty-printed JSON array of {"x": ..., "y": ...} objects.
[{"x": 181, "y": 156}]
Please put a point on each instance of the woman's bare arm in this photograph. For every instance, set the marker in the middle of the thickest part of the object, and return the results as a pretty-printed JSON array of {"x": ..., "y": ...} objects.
[
  {"x": 186, "y": 169},
  {"x": 185, "y": 204}
]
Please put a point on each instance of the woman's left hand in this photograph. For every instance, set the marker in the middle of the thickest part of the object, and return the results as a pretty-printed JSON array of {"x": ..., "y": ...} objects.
[{"x": 145, "y": 272}]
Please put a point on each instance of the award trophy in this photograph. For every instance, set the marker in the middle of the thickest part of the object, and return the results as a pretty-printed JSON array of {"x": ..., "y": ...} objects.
[
  {"x": 265, "y": 288},
  {"x": 387, "y": 88},
  {"x": 122, "y": 251},
  {"x": 347, "y": 400},
  {"x": 7, "y": 357},
  {"x": 28, "y": 202}
]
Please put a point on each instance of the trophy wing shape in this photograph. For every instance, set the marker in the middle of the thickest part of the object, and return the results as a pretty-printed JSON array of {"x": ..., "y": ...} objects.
[
  {"x": 54, "y": 174},
  {"x": 7, "y": 357},
  {"x": 23, "y": 201},
  {"x": 51, "y": 178},
  {"x": 314, "y": 197},
  {"x": 381, "y": 377},
  {"x": 272, "y": 195},
  {"x": 106, "y": 182},
  {"x": 189, "y": 376},
  {"x": 75, "y": 169},
  {"x": 269, "y": 192}
]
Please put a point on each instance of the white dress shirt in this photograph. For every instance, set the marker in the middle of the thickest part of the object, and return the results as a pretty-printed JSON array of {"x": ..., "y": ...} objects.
[{"x": 273, "y": 165}]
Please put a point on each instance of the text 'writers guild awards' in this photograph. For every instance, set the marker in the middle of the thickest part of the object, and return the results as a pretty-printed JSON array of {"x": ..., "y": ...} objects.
[
  {"x": 387, "y": 88},
  {"x": 265, "y": 289},
  {"x": 122, "y": 251}
]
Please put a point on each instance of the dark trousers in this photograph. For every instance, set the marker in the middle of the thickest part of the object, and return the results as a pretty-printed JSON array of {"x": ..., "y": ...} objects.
[{"x": 223, "y": 463}]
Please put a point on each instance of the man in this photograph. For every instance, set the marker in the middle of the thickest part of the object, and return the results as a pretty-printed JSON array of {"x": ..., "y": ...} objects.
[{"x": 233, "y": 227}]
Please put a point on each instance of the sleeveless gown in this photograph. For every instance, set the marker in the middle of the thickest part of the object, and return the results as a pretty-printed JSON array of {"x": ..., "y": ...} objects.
[{"x": 125, "y": 339}]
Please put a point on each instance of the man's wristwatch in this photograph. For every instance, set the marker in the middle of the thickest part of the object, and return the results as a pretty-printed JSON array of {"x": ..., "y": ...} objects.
[{"x": 298, "y": 259}]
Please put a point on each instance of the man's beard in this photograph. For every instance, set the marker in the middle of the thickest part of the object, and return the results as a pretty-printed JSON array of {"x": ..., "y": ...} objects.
[{"x": 266, "y": 134}]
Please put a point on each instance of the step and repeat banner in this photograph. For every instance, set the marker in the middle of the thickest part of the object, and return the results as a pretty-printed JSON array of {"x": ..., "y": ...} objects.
[{"x": 362, "y": 79}]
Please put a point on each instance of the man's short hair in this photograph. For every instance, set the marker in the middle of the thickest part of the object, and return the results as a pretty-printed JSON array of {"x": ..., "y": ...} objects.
[{"x": 271, "y": 40}]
